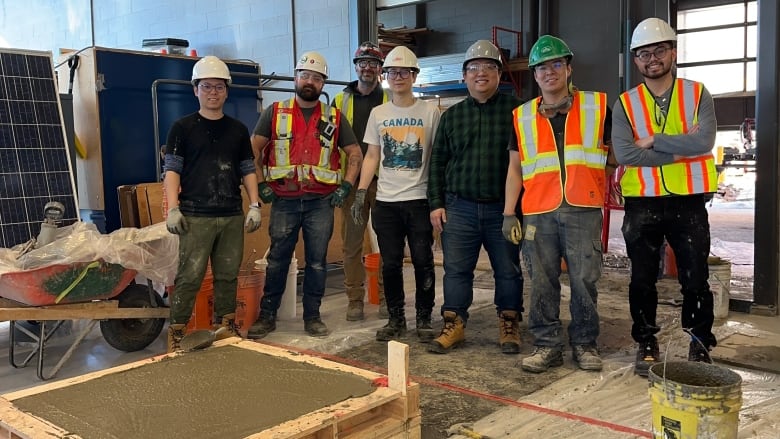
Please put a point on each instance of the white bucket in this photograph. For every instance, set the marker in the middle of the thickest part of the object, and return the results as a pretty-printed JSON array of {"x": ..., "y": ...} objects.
[
  {"x": 287, "y": 309},
  {"x": 720, "y": 282}
]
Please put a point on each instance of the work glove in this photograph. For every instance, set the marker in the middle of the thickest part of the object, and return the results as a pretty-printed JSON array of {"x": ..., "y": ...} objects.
[
  {"x": 176, "y": 223},
  {"x": 266, "y": 193},
  {"x": 253, "y": 219},
  {"x": 512, "y": 229},
  {"x": 357, "y": 207},
  {"x": 337, "y": 198}
]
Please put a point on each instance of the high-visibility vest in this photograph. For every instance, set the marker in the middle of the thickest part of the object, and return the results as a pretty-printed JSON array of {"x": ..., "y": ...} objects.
[
  {"x": 686, "y": 176},
  {"x": 345, "y": 102},
  {"x": 302, "y": 159},
  {"x": 584, "y": 154}
]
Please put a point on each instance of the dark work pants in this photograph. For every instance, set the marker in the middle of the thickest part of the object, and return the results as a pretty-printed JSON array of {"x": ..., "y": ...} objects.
[
  {"x": 394, "y": 223},
  {"x": 683, "y": 221}
]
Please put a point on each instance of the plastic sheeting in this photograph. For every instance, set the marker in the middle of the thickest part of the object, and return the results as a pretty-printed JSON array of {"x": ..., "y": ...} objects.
[{"x": 151, "y": 251}]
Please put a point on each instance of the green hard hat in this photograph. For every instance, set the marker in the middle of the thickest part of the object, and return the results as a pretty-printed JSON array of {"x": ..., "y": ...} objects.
[{"x": 548, "y": 47}]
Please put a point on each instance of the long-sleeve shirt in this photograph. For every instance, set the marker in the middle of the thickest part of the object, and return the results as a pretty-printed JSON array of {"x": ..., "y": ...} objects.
[
  {"x": 469, "y": 157},
  {"x": 664, "y": 145}
]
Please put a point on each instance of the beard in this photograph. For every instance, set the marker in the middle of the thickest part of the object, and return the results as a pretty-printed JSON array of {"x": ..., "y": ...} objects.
[
  {"x": 307, "y": 93},
  {"x": 656, "y": 73}
]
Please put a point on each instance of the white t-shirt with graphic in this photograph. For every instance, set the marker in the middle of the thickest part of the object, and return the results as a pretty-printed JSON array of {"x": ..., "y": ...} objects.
[{"x": 405, "y": 138}]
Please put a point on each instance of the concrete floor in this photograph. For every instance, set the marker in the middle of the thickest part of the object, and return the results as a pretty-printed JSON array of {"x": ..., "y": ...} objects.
[{"x": 573, "y": 400}]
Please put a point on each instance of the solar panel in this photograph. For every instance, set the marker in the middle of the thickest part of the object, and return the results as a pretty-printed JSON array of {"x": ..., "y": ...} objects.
[{"x": 34, "y": 162}]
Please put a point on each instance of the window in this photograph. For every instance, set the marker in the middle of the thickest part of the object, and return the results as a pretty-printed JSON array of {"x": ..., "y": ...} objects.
[{"x": 717, "y": 46}]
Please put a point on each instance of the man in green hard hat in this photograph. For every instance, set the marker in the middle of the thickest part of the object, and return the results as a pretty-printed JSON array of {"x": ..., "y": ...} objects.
[{"x": 557, "y": 156}]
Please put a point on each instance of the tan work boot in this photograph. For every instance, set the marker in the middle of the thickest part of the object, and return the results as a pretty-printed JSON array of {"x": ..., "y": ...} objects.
[
  {"x": 228, "y": 321},
  {"x": 452, "y": 334},
  {"x": 355, "y": 311},
  {"x": 509, "y": 332},
  {"x": 175, "y": 334}
]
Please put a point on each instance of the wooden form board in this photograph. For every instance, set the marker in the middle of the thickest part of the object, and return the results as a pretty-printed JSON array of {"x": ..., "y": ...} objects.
[
  {"x": 149, "y": 199},
  {"x": 386, "y": 413}
]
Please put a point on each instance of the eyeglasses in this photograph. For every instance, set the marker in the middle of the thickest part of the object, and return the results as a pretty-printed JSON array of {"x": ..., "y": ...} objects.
[
  {"x": 313, "y": 77},
  {"x": 486, "y": 67},
  {"x": 549, "y": 67},
  {"x": 208, "y": 87},
  {"x": 659, "y": 53},
  {"x": 403, "y": 74},
  {"x": 365, "y": 64}
]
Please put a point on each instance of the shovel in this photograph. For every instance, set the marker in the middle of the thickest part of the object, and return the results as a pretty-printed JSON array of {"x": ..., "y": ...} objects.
[{"x": 200, "y": 339}]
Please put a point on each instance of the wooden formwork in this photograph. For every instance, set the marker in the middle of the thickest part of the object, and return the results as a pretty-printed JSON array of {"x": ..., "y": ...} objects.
[{"x": 389, "y": 412}]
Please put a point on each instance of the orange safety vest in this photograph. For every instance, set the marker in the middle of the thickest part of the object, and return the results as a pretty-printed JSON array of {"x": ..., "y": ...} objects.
[
  {"x": 302, "y": 159},
  {"x": 687, "y": 176},
  {"x": 584, "y": 154}
]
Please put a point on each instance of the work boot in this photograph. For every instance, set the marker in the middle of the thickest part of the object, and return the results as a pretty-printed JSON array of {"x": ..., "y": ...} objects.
[
  {"x": 355, "y": 311},
  {"x": 395, "y": 327},
  {"x": 542, "y": 358},
  {"x": 424, "y": 328},
  {"x": 647, "y": 355},
  {"x": 228, "y": 321},
  {"x": 698, "y": 352},
  {"x": 315, "y": 328},
  {"x": 383, "y": 312},
  {"x": 509, "y": 332},
  {"x": 175, "y": 334},
  {"x": 453, "y": 333},
  {"x": 587, "y": 357},
  {"x": 262, "y": 327}
]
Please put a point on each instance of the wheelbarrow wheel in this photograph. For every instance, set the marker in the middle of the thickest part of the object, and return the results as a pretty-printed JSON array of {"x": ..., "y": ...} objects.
[{"x": 131, "y": 335}]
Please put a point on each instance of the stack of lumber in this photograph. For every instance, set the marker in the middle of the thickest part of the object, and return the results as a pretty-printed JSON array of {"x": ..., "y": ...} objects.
[{"x": 398, "y": 36}]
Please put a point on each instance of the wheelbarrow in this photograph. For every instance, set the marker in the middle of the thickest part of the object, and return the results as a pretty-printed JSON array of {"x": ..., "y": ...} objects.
[{"x": 131, "y": 316}]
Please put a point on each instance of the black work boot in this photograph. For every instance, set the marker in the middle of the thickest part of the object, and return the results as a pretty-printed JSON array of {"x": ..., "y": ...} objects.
[
  {"x": 395, "y": 327},
  {"x": 262, "y": 327},
  {"x": 424, "y": 328}
]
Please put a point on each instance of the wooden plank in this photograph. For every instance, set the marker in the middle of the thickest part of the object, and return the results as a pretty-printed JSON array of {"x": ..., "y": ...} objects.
[
  {"x": 397, "y": 365},
  {"x": 18, "y": 424},
  {"x": 152, "y": 202},
  {"x": 96, "y": 313}
]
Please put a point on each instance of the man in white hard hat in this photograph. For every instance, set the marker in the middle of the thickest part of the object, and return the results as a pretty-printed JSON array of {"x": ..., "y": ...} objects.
[
  {"x": 557, "y": 158},
  {"x": 663, "y": 132},
  {"x": 466, "y": 195},
  {"x": 297, "y": 145},
  {"x": 355, "y": 102},
  {"x": 399, "y": 134},
  {"x": 208, "y": 156}
]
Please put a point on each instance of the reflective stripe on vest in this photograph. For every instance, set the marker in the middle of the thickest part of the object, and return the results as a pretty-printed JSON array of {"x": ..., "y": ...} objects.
[
  {"x": 584, "y": 154},
  {"x": 339, "y": 101},
  {"x": 689, "y": 175},
  {"x": 282, "y": 165}
]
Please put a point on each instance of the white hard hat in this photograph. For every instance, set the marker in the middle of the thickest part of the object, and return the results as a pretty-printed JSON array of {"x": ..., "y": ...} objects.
[
  {"x": 483, "y": 49},
  {"x": 401, "y": 56},
  {"x": 313, "y": 61},
  {"x": 651, "y": 31},
  {"x": 210, "y": 67}
]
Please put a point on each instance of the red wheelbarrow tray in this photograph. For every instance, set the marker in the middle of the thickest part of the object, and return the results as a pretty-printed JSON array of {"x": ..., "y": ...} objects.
[{"x": 42, "y": 286}]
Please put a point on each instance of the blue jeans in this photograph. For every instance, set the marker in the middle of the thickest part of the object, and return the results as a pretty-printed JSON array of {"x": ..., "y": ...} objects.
[
  {"x": 683, "y": 221},
  {"x": 471, "y": 225},
  {"x": 575, "y": 235},
  {"x": 394, "y": 223},
  {"x": 288, "y": 217},
  {"x": 216, "y": 239}
]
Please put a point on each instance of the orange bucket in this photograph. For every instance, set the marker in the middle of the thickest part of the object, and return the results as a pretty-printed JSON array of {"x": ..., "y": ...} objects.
[
  {"x": 371, "y": 263},
  {"x": 248, "y": 295}
]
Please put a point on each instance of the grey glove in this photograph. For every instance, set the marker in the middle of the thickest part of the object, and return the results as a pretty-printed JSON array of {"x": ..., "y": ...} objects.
[
  {"x": 512, "y": 229},
  {"x": 357, "y": 207},
  {"x": 176, "y": 223},
  {"x": 267, "y": 195},
  {"x": 337, "y": 198},
  {"x": 253, "y": 219}
]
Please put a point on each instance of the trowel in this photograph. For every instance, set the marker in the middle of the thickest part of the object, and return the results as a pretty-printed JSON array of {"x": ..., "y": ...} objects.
[{"x": 200, "y": 339}]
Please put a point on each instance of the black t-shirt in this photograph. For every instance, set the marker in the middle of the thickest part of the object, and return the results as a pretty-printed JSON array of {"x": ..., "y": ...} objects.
[{"x": 212, "y": 153}]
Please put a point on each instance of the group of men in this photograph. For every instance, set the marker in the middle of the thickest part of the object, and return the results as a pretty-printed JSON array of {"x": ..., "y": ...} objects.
[{"x": 491, "y": 172}]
